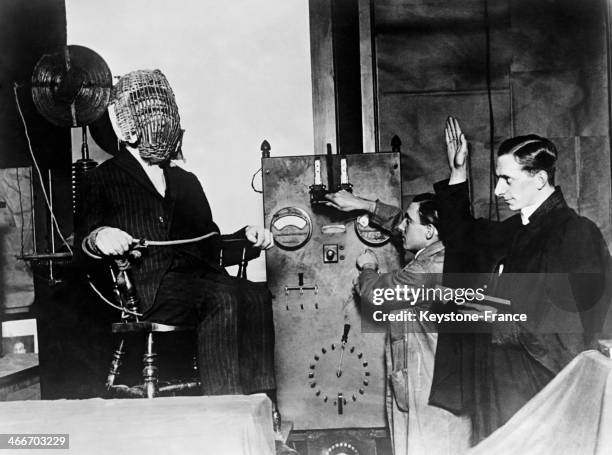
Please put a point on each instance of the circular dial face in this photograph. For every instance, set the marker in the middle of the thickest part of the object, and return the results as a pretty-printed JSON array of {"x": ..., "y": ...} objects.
[
  {"x": 341, "y": 448},
  {"x": 338, "y": 375},
  {"x": 369, "y": 234},
  {"x": 291, "y": 227}
]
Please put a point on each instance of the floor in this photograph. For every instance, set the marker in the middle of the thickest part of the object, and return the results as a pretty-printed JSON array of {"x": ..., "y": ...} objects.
[{"x": 19, "y": 378}]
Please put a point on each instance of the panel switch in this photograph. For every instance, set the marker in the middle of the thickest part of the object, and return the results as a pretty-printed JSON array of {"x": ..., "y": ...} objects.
[{"x": 330, "y": 253}]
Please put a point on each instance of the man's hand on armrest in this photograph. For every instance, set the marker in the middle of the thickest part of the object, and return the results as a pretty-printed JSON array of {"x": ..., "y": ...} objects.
[
  {"x": 260, "y": 237},
  {"x": 347, "y": 202}
]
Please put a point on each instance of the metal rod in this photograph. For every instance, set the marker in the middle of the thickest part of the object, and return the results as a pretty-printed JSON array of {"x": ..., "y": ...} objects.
[
  {"x": 51, "y": 278},
  {"x": 496, "y": 90},
  {"x": 32, "y": 212},
  {"x": 35, "y": 257},
  {"x": 84, "y": 145},
  {"x": 51, "y": 213}
]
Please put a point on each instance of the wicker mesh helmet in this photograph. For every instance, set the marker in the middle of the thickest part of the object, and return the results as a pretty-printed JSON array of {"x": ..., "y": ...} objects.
[{"x": 146, "y": 116}]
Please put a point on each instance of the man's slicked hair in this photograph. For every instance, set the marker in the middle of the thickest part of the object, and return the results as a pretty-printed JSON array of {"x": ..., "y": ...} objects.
[
  {"x": 428, "y": 209},
  {"x": 534, "y": 153}
]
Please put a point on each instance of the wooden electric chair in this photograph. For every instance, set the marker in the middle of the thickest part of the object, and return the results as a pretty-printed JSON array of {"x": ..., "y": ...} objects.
[{"x": 233, "y": 252}]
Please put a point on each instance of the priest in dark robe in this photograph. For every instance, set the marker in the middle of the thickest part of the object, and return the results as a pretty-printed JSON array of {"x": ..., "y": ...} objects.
[{"x": 550, "y": 264}]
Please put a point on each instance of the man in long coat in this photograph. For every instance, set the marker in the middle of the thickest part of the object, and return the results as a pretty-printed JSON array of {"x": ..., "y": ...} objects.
[{"x": 549, "y": 262}]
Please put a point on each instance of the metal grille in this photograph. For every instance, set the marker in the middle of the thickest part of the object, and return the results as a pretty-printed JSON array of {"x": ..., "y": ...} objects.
[{"x": 147, "y": 114}]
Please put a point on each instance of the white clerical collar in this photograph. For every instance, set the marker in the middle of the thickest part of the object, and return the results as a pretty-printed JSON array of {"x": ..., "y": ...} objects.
[{"x": 526, "y": 212}]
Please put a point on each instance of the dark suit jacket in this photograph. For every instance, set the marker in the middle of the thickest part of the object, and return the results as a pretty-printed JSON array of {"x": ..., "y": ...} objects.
[{"x": 119, "y": 194}]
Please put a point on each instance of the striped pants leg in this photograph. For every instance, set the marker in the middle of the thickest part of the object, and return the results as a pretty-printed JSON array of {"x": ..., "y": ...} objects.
[{"x": 235, "y": 328}]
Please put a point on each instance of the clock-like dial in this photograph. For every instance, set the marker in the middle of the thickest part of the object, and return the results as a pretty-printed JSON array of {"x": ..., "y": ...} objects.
[{"x": 339, "y": 374}]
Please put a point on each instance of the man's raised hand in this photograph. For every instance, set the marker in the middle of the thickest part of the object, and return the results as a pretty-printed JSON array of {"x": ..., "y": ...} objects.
[{"x": 457, "y": 150}]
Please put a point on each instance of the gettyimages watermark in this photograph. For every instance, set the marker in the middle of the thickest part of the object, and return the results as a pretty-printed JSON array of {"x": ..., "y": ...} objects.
[
  {"x": 538, "y": 303},
  {"x": 415, "y": 295}
]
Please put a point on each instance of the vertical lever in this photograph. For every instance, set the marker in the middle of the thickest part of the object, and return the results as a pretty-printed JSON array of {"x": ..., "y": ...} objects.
[
  {"x": 345, "y": 333},
  {"x": 317, "y": 172},
  {"x": 331, "y": 181},
  {"x": 344, "y": 339},
  {"x": 344, "y": 178},
  {"x": 317, "y": 189}
]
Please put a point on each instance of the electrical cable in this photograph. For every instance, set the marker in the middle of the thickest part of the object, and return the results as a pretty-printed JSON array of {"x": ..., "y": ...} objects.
[
  {"x": 146, "y": 243},
  {"x": 139, "y": 243},
  {"x": 253, "y": 182},
  {"x": 143, "y": 243},
  {"x": 108, "y": 302},
  {"x": 42, "y": 185}
]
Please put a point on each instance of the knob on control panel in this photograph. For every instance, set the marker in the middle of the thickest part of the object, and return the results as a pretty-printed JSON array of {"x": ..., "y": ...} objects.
[{"x": 330, "y": 253}]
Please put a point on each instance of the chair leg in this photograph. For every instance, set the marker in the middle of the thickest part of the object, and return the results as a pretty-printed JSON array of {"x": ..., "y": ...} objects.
[
  {"x": 115, "y": 364},
  {"x": 149, "y": 372}
]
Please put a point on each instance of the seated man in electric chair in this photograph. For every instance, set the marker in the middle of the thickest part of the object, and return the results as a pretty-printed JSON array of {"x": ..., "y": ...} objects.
[{"x": 141, "y": 194}]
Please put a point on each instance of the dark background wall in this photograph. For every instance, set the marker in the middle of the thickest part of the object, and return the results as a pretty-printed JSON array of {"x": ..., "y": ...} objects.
[
  {"x": 71, "y": 328},
  {"x": 28, "y": 29},
  {"x": 345, "y": 31},
  {"x": 503, "y": 68}
]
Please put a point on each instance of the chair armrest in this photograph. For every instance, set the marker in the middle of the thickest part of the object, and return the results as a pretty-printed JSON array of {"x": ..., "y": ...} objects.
[{"x": 235, "y": 251}]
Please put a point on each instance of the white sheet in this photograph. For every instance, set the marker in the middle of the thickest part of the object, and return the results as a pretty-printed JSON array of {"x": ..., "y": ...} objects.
[{"x": 219, "y": 425}]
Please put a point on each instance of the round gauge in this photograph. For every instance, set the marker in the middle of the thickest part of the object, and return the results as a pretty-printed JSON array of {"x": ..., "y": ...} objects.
[
  {"x": 338, "y": 375},
  {"x": 369, "y": 234},
  {"x": 291, "y": 227}
]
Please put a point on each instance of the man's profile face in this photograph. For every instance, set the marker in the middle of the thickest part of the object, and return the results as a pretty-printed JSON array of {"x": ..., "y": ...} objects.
[
  {"x": 414, "y": 234},
  {"x": 517, "y": 187}
]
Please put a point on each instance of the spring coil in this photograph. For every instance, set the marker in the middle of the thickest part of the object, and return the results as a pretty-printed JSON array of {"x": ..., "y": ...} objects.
[{"x": 79, "y": 168}]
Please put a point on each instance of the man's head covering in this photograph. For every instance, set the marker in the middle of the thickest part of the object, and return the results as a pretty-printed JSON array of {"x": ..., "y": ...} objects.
[{"x": 145, "y": 115}]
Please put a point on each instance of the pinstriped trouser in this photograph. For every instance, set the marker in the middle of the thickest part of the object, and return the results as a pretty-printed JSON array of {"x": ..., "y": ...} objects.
[{"x": 235, "y": 328}]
